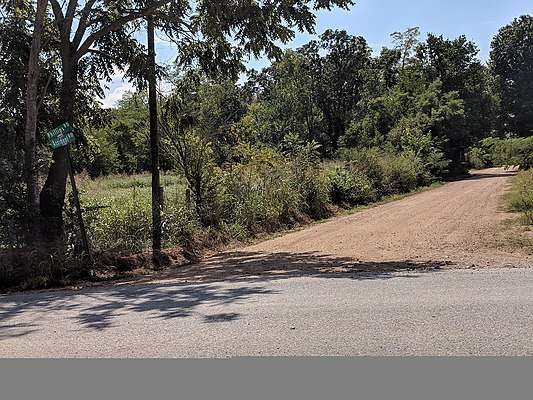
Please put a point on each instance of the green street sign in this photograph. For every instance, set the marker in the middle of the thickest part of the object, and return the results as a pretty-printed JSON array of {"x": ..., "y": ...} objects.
[{"x": 61, "y": 136}]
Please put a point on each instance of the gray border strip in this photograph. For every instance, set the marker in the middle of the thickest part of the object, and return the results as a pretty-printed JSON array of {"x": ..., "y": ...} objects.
[{"x": 268, "y": 378}]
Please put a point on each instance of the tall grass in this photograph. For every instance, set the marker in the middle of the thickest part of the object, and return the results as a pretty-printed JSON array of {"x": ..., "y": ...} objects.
[
  {"x": 262, "y": 191},
  {"x": 521, "y": 196}
]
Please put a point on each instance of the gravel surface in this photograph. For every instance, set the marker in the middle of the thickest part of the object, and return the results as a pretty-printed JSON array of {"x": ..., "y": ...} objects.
[
  {"x": 459, "y": 224},
  {"x": 456, "y": 312}
]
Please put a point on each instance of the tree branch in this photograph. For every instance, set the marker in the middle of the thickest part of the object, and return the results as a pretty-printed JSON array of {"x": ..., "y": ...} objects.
[
  {"x": 58, "y": 13},
  {"x": 82, "y": 24},
  {"x": 69, "y": 17},
  {"x": 115, "y": 25}
]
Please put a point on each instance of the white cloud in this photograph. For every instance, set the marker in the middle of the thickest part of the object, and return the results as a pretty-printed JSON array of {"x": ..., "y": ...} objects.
[{"x": 114, "y": 95}]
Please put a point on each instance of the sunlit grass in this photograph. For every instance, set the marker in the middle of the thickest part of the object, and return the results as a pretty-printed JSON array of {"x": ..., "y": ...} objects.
[
  {"x": 520, "y": 198},
  {"x": 113, "y": 187}
]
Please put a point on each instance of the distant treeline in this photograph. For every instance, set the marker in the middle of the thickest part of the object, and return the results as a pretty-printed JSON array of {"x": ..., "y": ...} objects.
[{"x": 433, "y": 98}]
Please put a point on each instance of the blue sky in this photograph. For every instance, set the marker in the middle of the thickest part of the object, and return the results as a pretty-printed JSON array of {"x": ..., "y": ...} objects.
[{"x": 479, "y": 20}]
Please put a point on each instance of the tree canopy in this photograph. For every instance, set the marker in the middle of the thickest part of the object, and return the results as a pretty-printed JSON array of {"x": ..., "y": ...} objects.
[{"x": 511, "y": 61}]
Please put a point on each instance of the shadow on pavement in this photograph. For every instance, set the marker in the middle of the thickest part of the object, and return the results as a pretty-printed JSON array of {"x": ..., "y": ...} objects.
[{"x": 98, "y": 309}]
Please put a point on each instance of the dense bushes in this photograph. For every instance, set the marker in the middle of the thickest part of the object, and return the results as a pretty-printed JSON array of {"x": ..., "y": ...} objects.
[
  {"x": 388, "y": 173},
  {"x": 494, "y": 152},
  {"x": 259, "y": 195},
  {"x": 260, "y": 191},
  {"x": 349, "y": 186}
]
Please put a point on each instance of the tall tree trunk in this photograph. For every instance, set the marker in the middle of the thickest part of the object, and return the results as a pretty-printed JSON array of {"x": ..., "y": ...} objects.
[
  {"x": 52, "y": 197},
  {"x": 30, "y": 141}
]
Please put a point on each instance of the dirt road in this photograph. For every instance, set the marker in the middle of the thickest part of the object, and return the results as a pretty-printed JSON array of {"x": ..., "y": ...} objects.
[{"x": 461, "y": 224}]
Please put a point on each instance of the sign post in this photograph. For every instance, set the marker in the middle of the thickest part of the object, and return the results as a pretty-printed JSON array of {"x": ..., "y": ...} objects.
[{"x": 63, "y": 136}]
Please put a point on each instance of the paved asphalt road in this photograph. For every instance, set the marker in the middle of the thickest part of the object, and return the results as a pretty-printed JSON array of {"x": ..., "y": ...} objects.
[{"x": 448, "y": 312}]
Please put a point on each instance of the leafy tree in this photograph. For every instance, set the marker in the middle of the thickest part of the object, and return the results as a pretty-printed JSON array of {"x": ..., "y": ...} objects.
[
  {"x": 15, "y": 43},
  {"x": 285, "y": 103},
  {"x": 119, "y": 143},
  {"x": 455, "y": 64},
  {"x": 387, "y": 68},
  {"x": 213, "y": 107},
  {"x": 96, "y": 36},
  {"x": 339, "y": 77},
  {"x": 511, "y": 61}
]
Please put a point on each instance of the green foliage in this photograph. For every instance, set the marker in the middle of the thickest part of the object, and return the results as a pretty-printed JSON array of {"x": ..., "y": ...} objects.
[
  {"x": 12, "y": 190},
  {"x": 521, "y": 196},
  {"x": 122, "y": 226},
  {"x": 117, "y": 212},
  {"x": 259, "y": 191},
  {"x": 264, "y": 191},
  {"x": 311, "y": 184},
  {"x": 516, "y": 152},
  {"x": 387, "y": 172},
  {"x": 195, "y": 160},
  {"x": 401, "y": 173},
  {"x": 286, "y": 102},
  {"x": 503, "y": 152},
  {"x": 339, "y": 78},
  {"x": 349, "y": 186},
  {"x": 455, "y": 64},
  {"x": 213, "y": 108},
  {"x": 511, "y": 62},
  {"x": 119, "y": 145},
  {"x": 478, "y": 158},
  {"x": 409, "y": 117}
]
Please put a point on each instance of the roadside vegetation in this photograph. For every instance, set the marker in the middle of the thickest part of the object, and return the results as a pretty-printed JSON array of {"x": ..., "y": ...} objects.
[
  {"x": 495, "y": 152},
  {"x": 325, "y": 128},
  {"x": 262, "y": 193},
  {"x": 520, "y": 198}
]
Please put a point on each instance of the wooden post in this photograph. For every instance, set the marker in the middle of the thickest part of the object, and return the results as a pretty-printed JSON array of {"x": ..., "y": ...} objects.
[
  {"x": 76, "y": 196},
  {"x": 154, "y": 145}
]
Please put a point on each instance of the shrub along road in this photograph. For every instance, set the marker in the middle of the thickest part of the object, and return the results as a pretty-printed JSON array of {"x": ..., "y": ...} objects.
[{"x": 243, "y": 302}]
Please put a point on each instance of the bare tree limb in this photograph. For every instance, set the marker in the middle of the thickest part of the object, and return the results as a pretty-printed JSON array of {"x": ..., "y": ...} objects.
[
  {"x": 58, "y": 13},
  {"x": 115, "y": 25},
  {"x": 83, "y": 23}
]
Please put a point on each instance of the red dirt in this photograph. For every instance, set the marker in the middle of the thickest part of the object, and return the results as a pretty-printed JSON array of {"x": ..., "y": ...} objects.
[{"x": 461, "y": 224}]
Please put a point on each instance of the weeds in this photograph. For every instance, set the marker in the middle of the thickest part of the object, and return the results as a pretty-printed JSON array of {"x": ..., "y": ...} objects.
[{"x": 521, "y": 196}]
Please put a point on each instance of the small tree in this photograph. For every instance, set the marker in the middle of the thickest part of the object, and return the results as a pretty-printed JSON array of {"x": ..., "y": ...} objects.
[{"x": 195, "y": 160}]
